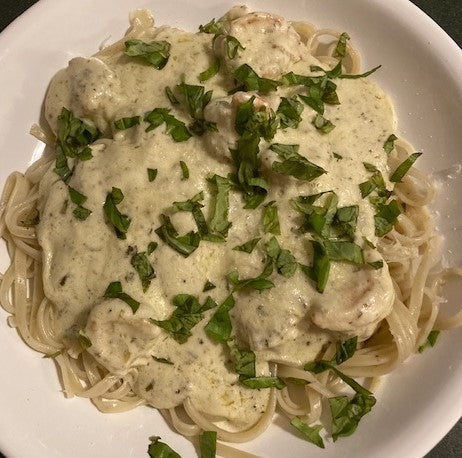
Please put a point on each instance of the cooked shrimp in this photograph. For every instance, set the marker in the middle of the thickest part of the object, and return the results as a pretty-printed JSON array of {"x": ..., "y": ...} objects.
[
  {"x": 358, "y": 301},
  {"x": 271, "y": 44}
]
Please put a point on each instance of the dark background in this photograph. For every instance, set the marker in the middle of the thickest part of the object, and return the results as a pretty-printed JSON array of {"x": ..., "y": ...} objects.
[{"x": 448, "y": 14}]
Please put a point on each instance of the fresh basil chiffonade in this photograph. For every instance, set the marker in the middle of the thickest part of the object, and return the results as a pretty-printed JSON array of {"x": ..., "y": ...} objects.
[{"x": 225, "y": 216}]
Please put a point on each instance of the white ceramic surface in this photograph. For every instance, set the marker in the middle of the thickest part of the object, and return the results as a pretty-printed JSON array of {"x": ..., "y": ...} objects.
[{"x": 421, "y": 70}]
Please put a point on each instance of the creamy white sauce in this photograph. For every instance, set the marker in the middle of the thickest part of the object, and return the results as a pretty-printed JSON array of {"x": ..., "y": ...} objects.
[{"x": 289, "y": 323}]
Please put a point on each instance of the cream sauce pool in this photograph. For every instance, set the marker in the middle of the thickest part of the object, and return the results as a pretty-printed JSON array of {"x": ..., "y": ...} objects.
[{"x": 289, "y": 323}]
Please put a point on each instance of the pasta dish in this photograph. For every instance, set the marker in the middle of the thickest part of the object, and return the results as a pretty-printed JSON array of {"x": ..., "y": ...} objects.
[{"x": 224, "y": 225}]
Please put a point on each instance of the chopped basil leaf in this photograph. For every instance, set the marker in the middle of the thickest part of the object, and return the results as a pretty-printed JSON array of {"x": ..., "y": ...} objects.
[
  {"x": 320, "y": 268},
  {"x": 375, "y": 182},
  {"x": 337, "y": 156},
  {"x": 53, "y": 355},
  {"x": 283, "y": 259},
  {"x": 152, "y": 173},
  {"x": 345, "y": 350},
  {"x": 296, "y": 381},
  {"x": 376, "y": 264},
  {"x": 344, "y": 251},
  {"x": 271, "y": 219},
  {"x": 33, "y": 221},
  {"x": 184, "y": 170},
  {"x": 215, "y": 28},
  {"x": 340, "y": 49},
  {"x": 208, "y": 444},
  {"x": 171, "y": 96},
  {"x": 185, "y": 244},
  {"x": 119, "y": 221},
  {"x": 151, "y": 247},
  {"x": 174, "y": 127},
  {"x": 292, "y": 79},
  {"x": 370, "y": 167},
  {"x": 250, "y": 80},
  {"x": 248, "y": 179},
  {"x": 219, "y": 327},
  {"x": 158, "y": 449},
  {"x": 322, "y": 124},
  {"x": 210, "y": 72},
  {"x": 84, "y": 154},
  {"x": 84, "y": 341},
  {"x": 345, "y": 221},
  {"x": 208, "y": 286},
  {"x": 362, "y": 75},
  {"x": 294, "y": 164},
  {"x": 73, "y": 136},
  {"x": 243, "y": 360},
  {"x": 255, "y": 121},
  {"x": 431, "y": 340},
  {"x": 76, "y": 197},
  {"x": 403, "y": 168},
  {"x": 386, "y": 217},
  {"x": 81, "y": 213},
  {"x": 187, "y": 314},
  {"x": 155, "y": 53},
  {"x": 196, "y": 99},
  {"x": 389, "y": 144},
  {"x": 311, "y": 434},
  {"x": 369, "y": 243},
  {"x": 289, "y": 112},
  {"x": 162, "y": 360},
  {"x": 219, "y": 223},
  {"x": 233, "y": 45},
  {"x": 249, "y": 246},
  {"x": 114, "y": 290},
  {"x": 259, "y": 283},
  {"x": 257, "y": 383},
  {"x": 141, "y": 264},
  {"x": 347, "y": 413},
  {"x": 126, "y": 123}
]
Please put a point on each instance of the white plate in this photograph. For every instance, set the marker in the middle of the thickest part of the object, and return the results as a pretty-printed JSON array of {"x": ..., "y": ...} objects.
[{"x": 421, "y": 70}]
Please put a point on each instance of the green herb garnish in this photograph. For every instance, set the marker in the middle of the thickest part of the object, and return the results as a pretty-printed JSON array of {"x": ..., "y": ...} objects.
[
  {"x": 271, "y": 219},
  {"x": 221, "y": 187},
  {"x": 249, "y": 246},
  {"x": 152, "y": 247},
  {"x": 208, "y": 444},
  {"x": 250, "y": 81},
  {"x": 185, "y": 244},
  {"x": 294, "y": 164},
  {"x": 84, "y": 341},
  {"x": 386, "y": 217},
  {"x": 403, "y": 168},
  {"x": 431, "y": 340},
  {"x": 257, "y": 383},
  {"x": 152, "y": 174},
  {"x": 114, "y": 291},
  {"x": 175, "y": 128},
  {"x": 340, "y": 49},
  {"x": 208, "y": 286},
  {"x": 171, "y": 96},
  {"x": 184, "y": 170},
  {"x": 289, "y": 112},
  {"x": 389, "y": 144},
  {"x": 126, "y": 123},
  {"x": 233, "y": 46},
  {"x": 311, "y": 434},
  {"x": 141, "y": 264},
  {"x": 219, "y": 327},
  {"x": 210, "y": 72},
  {"x": 158, "y": 449},
  {"x": 155, "y": 53},
  {"x": 162, "y": 360},
  {"x": 187, "y": 314},
  {"x": 119, "y": 221},
  {"x": 322, "y": 124}
]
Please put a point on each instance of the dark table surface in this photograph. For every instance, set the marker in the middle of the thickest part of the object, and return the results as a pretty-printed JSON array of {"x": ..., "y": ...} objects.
[{"x": 448, "y": 14}]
